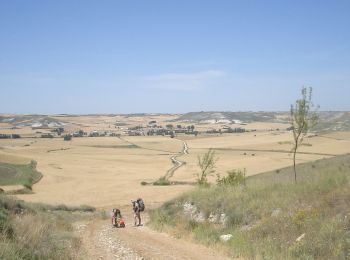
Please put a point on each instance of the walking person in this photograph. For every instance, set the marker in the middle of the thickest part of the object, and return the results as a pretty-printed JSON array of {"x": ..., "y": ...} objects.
[
  {"x": 116, "y": 214},
  {"x": 137, "y": 208}
]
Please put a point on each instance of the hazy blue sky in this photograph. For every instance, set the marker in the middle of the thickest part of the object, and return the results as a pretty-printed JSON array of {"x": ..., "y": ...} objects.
[{"x": 172, "y": 56}]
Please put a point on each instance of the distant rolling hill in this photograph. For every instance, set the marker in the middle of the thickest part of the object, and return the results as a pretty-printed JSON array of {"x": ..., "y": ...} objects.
[
  {"x": 197, "y": 117},
  {"x": 32, "y": 120},
  {"x": 329, "y": 120},
  {"x": 334, "y": 121}
]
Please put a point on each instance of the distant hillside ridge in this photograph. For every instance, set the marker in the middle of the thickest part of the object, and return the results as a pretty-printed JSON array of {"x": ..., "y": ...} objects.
[
  {"x": 32, "y": 120},
  {"x": 329, "y": 120},
  {"x": 209, "y": 116},
  {"x": 334, "y": 121}
]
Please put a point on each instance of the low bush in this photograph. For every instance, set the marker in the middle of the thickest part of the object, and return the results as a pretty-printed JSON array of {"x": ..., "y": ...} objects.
[
  {"x": 162, "y": 181},
  {"x": 67, "y": 137},
  {"x": 233, "y": 178}
]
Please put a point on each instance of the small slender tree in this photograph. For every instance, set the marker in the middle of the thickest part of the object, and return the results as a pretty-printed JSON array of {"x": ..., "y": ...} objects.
[
  {"x": 303, "y": 117},
  {"x": 206, "y": 163}
]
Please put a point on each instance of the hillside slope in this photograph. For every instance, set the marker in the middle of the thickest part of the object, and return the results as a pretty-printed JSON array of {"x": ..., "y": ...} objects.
[
  {"x": 39, "y": 231},
  {"x": 270, "y": 216},
  {"x": 329, "y": 120}
]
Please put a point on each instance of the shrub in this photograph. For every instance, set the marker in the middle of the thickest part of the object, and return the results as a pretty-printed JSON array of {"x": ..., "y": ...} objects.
[
  {"x": 33, "y": 164},
  {"x": 162, "y": 181},
  {"x": 3, "y": 219},
  {"x": 104, "y": 215},
  {"x": 207, "y": 164},
  {"x": 28, "y": 185},
  {"x": 233, "y": 178},
  {"x": 67, "y": 138}
]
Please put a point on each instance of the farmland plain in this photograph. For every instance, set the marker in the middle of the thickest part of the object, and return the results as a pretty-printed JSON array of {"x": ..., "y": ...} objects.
[{"x": 105, "y": 171}]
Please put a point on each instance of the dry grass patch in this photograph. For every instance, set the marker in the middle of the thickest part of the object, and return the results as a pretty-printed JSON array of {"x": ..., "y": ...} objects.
[
  {"x": 267, "y": 215},
  {"x": 32, "y": 231}
]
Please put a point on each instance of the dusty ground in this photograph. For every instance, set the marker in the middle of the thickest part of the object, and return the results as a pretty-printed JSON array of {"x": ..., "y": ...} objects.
[{"x": 102, "y": 241}]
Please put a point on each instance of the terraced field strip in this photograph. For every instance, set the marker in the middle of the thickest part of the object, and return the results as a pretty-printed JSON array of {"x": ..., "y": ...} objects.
[
  {"x": 265, "y": 151},
  {"x": 145, "y": 148},
  {"x": 334, "y": 138}
]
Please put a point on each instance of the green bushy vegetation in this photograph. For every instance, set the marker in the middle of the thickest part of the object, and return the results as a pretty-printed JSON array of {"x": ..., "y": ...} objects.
[
  {"x": 67, "y": 138},
  {"x": 268, "y": 213},
  {"x": 207, "y": 164},
  {"x": 162, "y": 181},
  {"x": 234, "y": 177},
  {"x": 38, "y": 231},
  {"x": 19, "y": 174}
]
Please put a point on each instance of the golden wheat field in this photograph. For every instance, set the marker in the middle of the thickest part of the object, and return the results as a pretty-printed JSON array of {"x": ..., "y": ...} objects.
[{"x": 107, "y": 171}]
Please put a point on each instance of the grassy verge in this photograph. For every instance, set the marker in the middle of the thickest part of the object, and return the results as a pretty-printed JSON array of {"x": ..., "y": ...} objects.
[
  {"x": 162, "y": 181},
  {"x": 122, "y": 146},
  {"x": 38, "y": 231},
  {"x": 270, "y": 217},
  {"x": 19, "y": 174}
]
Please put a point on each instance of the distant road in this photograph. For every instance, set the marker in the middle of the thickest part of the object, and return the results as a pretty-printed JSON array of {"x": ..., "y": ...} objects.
[{"x": 177, "y": 163}]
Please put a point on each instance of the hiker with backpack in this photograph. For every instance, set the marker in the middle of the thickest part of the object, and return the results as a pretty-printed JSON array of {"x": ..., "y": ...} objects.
[
  {"x": 115, "y": 215},
  {"x": 117, "y": 219},
  {"x": 138, "y": 206}
]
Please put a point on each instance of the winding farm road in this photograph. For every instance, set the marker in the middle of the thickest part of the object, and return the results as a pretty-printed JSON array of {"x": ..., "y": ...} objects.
[
  {"x": 174, "y": 158},
  {"x": 177, "y": 163}
]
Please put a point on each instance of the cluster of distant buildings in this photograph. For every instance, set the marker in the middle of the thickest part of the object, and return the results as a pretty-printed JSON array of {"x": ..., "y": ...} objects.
[
  {"x": 151, "y": 129},
  {"x": 226, "y": 130},
  {"x": 9, "y": 136},
  {"x": 81, "y": 133}
]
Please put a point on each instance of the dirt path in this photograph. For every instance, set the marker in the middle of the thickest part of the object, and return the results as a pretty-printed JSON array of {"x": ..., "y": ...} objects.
[
  {"x": 177, "y": 163},
  {"x": 174, "y": 158},
  {"x": 101, "y": 241}
]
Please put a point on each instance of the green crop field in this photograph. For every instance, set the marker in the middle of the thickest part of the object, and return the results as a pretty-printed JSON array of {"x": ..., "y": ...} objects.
[{"x": 19, "y": 174}]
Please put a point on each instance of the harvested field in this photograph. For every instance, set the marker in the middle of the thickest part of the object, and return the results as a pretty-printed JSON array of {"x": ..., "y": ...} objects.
[{"x": 108, "y": 171}]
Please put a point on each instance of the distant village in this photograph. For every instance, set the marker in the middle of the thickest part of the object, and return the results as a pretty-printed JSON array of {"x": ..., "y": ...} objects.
[{"x": 151, "y": 129}]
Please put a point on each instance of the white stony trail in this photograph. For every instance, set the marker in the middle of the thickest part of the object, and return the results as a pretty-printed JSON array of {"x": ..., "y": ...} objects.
[{"x": 102, "y": 241}]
